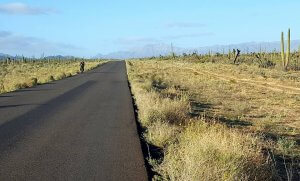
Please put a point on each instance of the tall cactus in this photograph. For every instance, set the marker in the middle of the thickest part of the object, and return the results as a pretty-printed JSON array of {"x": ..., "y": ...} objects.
[
  {"x": 282, "y": 49},
  {"x": 234, "y": 52},
  {"x": 286, "y": 57},
  {"x": 288, "y": 53}
]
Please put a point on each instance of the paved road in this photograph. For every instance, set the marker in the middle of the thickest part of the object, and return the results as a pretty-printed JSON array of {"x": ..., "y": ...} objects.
[{"x": 79, "y": 128}]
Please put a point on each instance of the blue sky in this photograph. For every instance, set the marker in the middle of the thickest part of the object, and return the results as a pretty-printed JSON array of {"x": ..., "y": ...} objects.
[{"x": 86, "y": 28}]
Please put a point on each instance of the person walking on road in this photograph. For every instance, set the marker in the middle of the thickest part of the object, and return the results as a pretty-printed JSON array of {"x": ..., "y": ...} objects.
[{"x": 82, "y": 64}]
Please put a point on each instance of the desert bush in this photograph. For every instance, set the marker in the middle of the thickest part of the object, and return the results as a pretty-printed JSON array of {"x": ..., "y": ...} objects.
[
  {"x": 161, "y": 133},
  {"x": 267, "y": 64},
  {"x": 286, "y": 145},
  {"x": 214, "y": 152},
  {"x": 51, "y": 78},
  {"x": 34, "y": 82},
  {"x": 19, "y": 86},
  {"x": 60, "y": 76},
  {"x": 161, "y": 109}
]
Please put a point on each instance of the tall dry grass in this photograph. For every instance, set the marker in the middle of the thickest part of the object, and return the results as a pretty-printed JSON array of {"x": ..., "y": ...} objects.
[
  {"x": 15, "y": 76},
  {"x": 194, "y": 148},
  {"x": 214, "y": 152}
]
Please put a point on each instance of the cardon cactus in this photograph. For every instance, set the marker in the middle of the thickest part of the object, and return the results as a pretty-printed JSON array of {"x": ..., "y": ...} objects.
[{"x": 285, "y": 57}]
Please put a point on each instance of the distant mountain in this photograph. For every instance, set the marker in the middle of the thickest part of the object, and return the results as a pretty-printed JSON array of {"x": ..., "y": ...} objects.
[
  {"x": 60, "y": 57},
  {"x": 55, "y": 57},
  {"x": 146, "y": 51},
  {"x": 163, "y": 49},
  {"x": 249, "y": 47},
  {"x": 4, "y": 56}
]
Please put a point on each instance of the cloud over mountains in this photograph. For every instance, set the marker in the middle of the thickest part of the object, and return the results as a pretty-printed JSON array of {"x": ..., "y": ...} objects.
[{"x": 13, "y": 44}]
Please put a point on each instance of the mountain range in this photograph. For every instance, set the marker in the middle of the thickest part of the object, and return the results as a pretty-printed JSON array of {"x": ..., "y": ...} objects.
[
  {"x": 56, "y": 57},
  {"x": 164, "y": 49}
]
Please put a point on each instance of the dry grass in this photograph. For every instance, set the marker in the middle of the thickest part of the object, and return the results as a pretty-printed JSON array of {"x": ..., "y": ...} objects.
[
  {"x": 206, "y": 152},
  {"x": 249, "y": 106},
  {"x": 15, "y": 76},
  {"x": 196, "y": 145}
]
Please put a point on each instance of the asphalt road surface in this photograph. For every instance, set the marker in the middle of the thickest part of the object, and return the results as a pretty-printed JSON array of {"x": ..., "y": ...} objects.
[{"x": 79, "y": 128}]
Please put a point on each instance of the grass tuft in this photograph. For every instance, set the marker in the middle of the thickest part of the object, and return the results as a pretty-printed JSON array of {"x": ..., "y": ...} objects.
[{"x": 214, "y": 152}]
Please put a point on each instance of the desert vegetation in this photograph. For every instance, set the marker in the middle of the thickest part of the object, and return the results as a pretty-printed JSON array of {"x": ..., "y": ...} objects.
[
  {"x": 27, "y": 73},
  {"x": 218, "y": 116}
]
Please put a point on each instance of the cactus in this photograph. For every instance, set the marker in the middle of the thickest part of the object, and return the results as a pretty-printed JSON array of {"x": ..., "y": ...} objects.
[
  {"x": 172, "y": 51},
  {"x": 282, "y": 49},
  {"x": 288, "y": 53},
  {"x": 8, "y": 60},
  {"x": 234, "y": 52},
  {"x": 23, "y": 59},
  {"x": 285, "y": 57}
]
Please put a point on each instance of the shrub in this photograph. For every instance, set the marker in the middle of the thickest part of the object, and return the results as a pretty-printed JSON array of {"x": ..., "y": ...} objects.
[
  {"x": 61, "y": 76},
  {"x": 18, "y": 86},
  {"x": 161, "y": 133},
  {"x": 34, "y": 82},
  {"x": 214, "y": 153},
  {"x": 267, "y": 64}
]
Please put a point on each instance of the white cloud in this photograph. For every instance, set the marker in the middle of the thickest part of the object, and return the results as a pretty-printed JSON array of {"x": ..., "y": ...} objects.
[
  {"x": 4, "y": 34},
  {"x": 13, "y": 44},
  {"x": 21, "y": 8}
]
